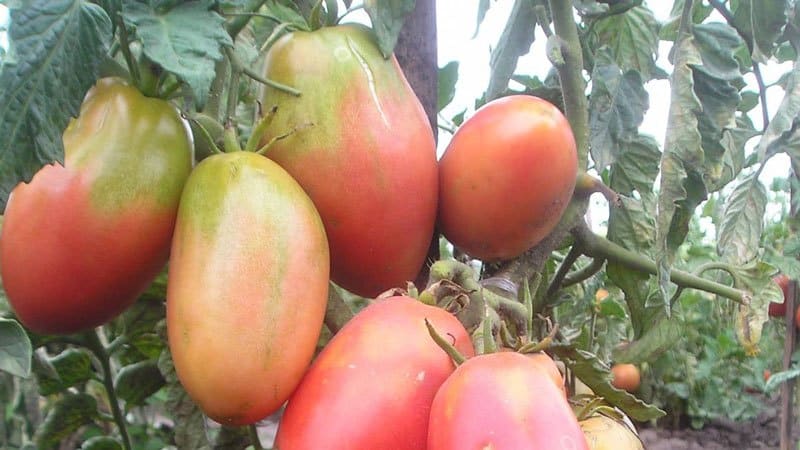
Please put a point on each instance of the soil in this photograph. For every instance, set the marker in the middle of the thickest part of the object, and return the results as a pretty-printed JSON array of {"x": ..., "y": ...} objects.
[{"x": 763, "y": 432}]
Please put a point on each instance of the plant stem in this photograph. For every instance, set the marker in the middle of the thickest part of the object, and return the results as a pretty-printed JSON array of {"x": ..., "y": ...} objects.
[
  {"x": 570, "y": 73},
  {"x": 242, "y": 68},
  {"x": 574, "y": 253},
  {"x": 254, "y": 439},
  {"x": 584, "y": 273},
  {"x": 124, "y": 42},
  {"x": 94, "y": 344},
  {"x": 600, "y": 247},
  {"x": 449, "y": 348},
  {"x": 240, "y": 21}
]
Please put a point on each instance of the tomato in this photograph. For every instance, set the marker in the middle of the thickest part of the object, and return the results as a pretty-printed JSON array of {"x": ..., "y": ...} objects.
[
  {"x": 767, "y": 375},
  {"x": 625, "y": 377},
  {"x": 372, "y": 386},
  {"x": 604, "y": 433},
  {"x": 506, "y": 177},
  {"x": 363, "y": 150},
  {"x": 544, "y": 362},
  {"x": 502, "y": 401},
  {"x": 81, "y": 241},
  {"x": 247, "y": 289},
  {"x": 779, "y": 309}
]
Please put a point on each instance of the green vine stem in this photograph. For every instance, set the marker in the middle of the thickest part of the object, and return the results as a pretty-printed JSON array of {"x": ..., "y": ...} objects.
[
  {"x": 93, "y": 343},
  {"x": 449, "y": 348},
  {"x": 252, "y": 431},
  {"x": 600, "y": 247},
  {"x": 575, "y": 252},
  {"x": 570, "y": 74},
  {"x": 124, "y": 42},
  {"x": 240, "y": 67},
  {"x": 584, "y": 273},
  {"x": 337, "y": 313}
]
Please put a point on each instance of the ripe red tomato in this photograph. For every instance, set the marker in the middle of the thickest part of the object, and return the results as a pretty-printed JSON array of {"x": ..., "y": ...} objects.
[
  {"x": 502, "y": 401},
  {"x": 546, "y": 363},
  {"x": 625, "y": 377},
  {"x": 364, "y": 152},
  {"x": 247, "y": 289},
  {"x": 81, "y": 242},
  {"x": 779, "y": 309},
  {"x": 372, "y": 386},
  {"x": 506, "y": 177}
]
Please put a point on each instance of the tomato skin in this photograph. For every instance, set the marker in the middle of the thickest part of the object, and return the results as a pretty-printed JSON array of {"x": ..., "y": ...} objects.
[
  {"x": 605, "y": 433},
  {"x": 364, "y": 153},
  {"x": 506, "y": 177},
  {"x": 81, "y": 241},
  {"x": 371, "y": 387},
  {"x": 625, "y": 377},
  {"x": 247, "y": 289},
  {"x": 501, "y": 401}
]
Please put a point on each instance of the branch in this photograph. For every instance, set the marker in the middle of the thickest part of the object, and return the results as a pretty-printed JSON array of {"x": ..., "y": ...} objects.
[
  {"x": 240, "y": 21},
  {"x": 574, "y": 253},
  {"x": 600, "y": 247}
]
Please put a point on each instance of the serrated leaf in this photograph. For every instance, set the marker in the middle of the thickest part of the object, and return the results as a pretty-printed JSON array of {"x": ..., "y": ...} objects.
[
  {"x": 669, "y": 30},
  {"x": 515, "y": 41},
  {"x": 483, "y": 8},
  {"x": 102, "y": 443},
  {"x": 448, "y": 76},
  {"x": 782, "y": 132},
  {"x": 755, "y": 278},
  {"x": 15, "y": 349},
  {"x": 639, "y": 293},
  {"x": 280, "y": 17},
  {"x": 778, "y": 378},
  {"x": 742, "y": 221},
  {"x": 190, "y": 430},
  {"x": 657, "y": 340},
  {"x": 682, "y": 187},
  {"x": 387, "y": 18},
  {"x": 67, "y": 415},
  {"x": 135, "y": 382},
  {"x": 595, "y": 374},
  {"x": 636, "y": 166},
  {"x": 611, "y": 308},
  {"x": 631, "y": 225},
  {"x": 72, "y": 366},
  {"x": 185, "y": 40},
  {"x": 57, "y": 47},
  {"x": 632, "y": 38},
  {"x": 140, "y": 318},
  {"x": 763, "y": 20},
  {"x": 616, "y": 109}
]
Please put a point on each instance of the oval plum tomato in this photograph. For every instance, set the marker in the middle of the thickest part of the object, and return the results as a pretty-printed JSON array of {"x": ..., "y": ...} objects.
[
  {"x": 81, "y": 241},
  {"x": 545, "y": 363},
  {"x": 247, "y": 289},
  {"x": 625, "y": 377},
  {"x": 502, "y": 401},
  {"x": 371, "y": 387},
  {"x": 506, "y": 177},
  {"x": 363, "y": 150},
  {"x": 779, "y": 309}
]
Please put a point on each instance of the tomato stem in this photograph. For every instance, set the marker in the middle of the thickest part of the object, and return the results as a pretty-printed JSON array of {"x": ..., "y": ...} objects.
[
  {"x": 262, "y": 123},
  {"x": 206, "y": 136},
  {"x": 240, "y": 67},
  {"x": 93, "y": 343},
  {"x": 449, "y": 348},
  {"x": 124, "y": 41},
  {"x": 255, "y": 441}
]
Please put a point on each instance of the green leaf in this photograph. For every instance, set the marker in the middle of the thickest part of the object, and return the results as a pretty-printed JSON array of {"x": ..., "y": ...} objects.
[
  {"x": 387, "y": 18},
  {"x": 283, "y": 18},
  {"x": 764, "y": 21},
  {"x": 754, "y": 277},
  {"x": 682, "y": 187},
  {"x": 657, "y": 340},
  {"x": 15, "y": 349},
  {"x": 616, "y": 109},
  {"x": 595, "y": 374},
  {"x": 590, "y": 8},
  {"x": 742, "y": 221},
  {"x": 72, "y": 367},
  {"x": 102, "y": 443},
  {"x": 55, "y": 48},
  {"x": 611, "y": 308},
  {"x": 141, "y": 318},
  {"x": 700, "y": 12},
  {"x": 67, "y": 415},
  {"x": 483, "y": 8},
  {"x": 636, "y": 166},
  {"x": 135, "y": 382},
  {"x": 184, "y": 40},
  {"x": 632, "y": 38},
  {"x": 631, "y": 225},
  {"x": 448, "y": 76},
  {"x": 779, "y": 378},
  {"x": 514, "y": 42},
  {"x": 639, "y": 293},
  {"x": 782, "y": 132},
  {"x": 190, "y": 430}
]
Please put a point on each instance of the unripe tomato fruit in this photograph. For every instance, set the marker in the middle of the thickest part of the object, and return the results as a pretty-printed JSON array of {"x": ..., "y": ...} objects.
[
  {"x": 247, "y": 289},
  {"x": 506, "y": 177},
  {"x": 81, "y": 241},
  {"x": 502, "y": 401},
  {"x": 372, "y": 386},
  {"x": 625, "y": 377},
  {"x": 779, "y": 309},
  {"x": 363, "y": 150},
  {"x": 604, "y": 433}
]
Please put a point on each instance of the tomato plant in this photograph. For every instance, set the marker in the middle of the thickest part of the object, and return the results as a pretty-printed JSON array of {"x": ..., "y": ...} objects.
[
  {"x": 373, "y": 384},
  {"x": 249, "y": 270},
  {"x": 516, "y": 158},
  {"x": 372, "y": 171},
  {"x": 109, "y": 212}
]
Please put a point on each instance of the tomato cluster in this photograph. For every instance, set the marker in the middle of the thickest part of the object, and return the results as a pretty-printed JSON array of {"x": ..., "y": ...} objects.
[{"x": 350, "y": 191}]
